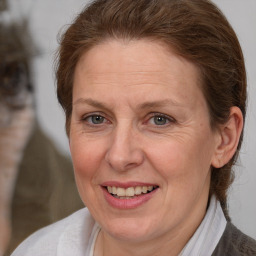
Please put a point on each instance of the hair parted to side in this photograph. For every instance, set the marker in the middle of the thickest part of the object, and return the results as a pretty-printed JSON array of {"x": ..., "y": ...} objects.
[{"x": 195, "y": 29}]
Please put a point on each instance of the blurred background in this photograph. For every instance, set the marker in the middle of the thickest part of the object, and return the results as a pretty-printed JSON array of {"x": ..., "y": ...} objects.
[{"x": 47, "y": 18}]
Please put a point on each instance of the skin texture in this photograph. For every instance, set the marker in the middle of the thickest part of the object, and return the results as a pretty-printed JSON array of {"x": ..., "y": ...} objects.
[{"x": 127, "y": 84}]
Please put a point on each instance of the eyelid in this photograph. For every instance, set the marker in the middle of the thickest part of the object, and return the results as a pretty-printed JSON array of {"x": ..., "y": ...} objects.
[
  {"x": 153, "y": 114},
  {"x": 92, "y": 114},
  {"x": 169, "y": 118},
  {"x": 97, "y": 113}
]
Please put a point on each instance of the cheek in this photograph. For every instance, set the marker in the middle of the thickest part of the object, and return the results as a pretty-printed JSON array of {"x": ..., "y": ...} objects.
[
  {"x": 86, "y": 157},
  {"x": 182, "y": 163},
  {"x": 171, "y": 159}
]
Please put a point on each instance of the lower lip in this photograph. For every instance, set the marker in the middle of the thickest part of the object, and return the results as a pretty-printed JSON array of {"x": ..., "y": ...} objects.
[{"x": 128, "y": 203}]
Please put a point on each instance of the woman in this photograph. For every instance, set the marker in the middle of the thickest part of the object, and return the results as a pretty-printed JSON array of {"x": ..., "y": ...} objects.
[{"x": 154, "y": 93}]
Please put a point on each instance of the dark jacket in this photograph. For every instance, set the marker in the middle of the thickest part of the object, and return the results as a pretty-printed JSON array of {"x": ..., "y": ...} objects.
[
  {"x": 45, "y": 191},
  {"x": 234, "y": 243}
]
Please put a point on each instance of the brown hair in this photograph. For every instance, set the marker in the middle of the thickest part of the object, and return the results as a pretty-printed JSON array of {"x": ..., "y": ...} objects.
[{"x": 196, "y": 29}]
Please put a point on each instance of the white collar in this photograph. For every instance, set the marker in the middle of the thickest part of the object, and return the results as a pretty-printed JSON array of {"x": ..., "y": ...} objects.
[
  {"x": 208, "y": 234},
  {"x": 92, "y": 241}
]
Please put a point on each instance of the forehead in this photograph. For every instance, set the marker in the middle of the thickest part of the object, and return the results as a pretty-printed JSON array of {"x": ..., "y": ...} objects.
[
  {"x": 127, "y": 56},
  {"x": 141, "y": 65}
]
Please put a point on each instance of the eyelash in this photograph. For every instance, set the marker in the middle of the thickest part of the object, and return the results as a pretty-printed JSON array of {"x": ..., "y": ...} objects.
[
  {"x": 86, "y": 117},
  {"x": 167, "y": 118}
]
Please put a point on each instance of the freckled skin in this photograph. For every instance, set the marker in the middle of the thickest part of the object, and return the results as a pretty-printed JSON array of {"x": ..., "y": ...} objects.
[{"x": 128, "y": 83}]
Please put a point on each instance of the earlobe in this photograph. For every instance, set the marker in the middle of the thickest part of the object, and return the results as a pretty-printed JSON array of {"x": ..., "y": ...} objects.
[{"x": 229, "y": 134}]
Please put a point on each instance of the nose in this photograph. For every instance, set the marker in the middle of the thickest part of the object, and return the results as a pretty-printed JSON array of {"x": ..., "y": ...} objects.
[{"x": 124, "y": 152}]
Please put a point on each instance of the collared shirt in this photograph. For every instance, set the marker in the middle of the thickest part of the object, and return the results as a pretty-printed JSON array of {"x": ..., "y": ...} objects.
[{"x": 208, "y": 234}]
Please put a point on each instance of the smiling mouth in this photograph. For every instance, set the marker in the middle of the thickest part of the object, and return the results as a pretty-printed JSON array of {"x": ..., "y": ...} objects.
[{"x": 130, "y": 192}]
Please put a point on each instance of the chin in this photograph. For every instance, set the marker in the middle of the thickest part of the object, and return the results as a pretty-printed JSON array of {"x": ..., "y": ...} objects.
[{"x": 133, "y": 230}]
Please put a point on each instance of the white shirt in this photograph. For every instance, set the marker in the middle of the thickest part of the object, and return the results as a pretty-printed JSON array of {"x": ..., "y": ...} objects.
[
  {"x": 76, "y": 235},
  {"x": 208, "y": 234}
]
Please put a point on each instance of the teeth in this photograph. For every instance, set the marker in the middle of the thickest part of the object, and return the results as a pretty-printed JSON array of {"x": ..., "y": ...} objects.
[
  {"x": 120, "y": 192},
  {"x": 150, "y": 188},
  {"x": 144, "y": 189},
  {"x": 129, "y": 192},
  {"x": 114, "y": 190},
  {"x": 138, "y": 190},
  {"x": 109, "y": 189}
]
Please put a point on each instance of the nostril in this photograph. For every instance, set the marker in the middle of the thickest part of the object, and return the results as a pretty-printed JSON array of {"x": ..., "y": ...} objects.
[{"x": 124, "y": 152}]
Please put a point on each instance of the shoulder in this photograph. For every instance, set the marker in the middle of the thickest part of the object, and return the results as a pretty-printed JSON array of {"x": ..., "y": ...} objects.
[
  {"x": 235, "y": 243},
  {"x": 65, "y": 237}
]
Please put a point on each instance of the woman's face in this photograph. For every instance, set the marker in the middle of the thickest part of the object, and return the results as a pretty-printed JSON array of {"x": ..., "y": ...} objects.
[{"x": 140, "y": 129}]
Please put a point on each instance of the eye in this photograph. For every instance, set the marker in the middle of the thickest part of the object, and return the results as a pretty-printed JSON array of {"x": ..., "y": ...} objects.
[
  {"x": 160, "y": 119},
  {"x": 95, "y": 119}
]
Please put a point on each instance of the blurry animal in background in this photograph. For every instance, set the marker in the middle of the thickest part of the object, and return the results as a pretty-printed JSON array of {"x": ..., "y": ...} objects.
[
  {"x": 37, "y": 185},
  {"x": 16, "y": 121}
]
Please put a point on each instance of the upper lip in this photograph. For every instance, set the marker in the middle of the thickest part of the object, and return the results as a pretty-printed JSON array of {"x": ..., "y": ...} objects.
[{"x": 126, "y": 184}]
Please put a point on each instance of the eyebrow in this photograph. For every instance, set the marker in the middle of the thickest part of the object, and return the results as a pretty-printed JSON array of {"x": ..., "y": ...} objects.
[
  {"x": 90, "y": 102},
  {"x": 159, "y": 103},
  {"x": 145, "y": 105}
]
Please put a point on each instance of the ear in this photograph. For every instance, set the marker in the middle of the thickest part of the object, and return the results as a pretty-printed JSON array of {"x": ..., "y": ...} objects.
[{"x": 228, "y": 139}]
